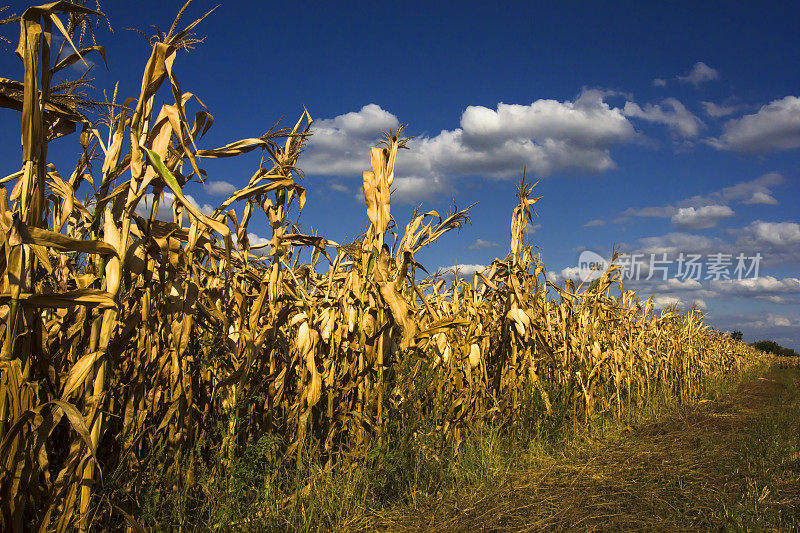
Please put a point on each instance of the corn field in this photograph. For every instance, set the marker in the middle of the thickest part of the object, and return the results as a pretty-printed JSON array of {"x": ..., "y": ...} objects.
[{"x": 123, "y": 333}]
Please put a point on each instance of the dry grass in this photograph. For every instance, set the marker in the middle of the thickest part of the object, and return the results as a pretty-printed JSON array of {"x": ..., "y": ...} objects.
[{"x": 124, "y": 334}]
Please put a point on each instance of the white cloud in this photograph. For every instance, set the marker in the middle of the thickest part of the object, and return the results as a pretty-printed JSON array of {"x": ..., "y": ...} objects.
[
  {"x": 595, "y": 222},
  {"x": 757, "y": 191},
  {"x": 777, "y": 234},
  {"x": 700, "y": 218},
  {"x": 675, "y": 284},
  {"x": 760, "y": 286},
  {"x": 659, "y": 82},
  {"x": 777, "y": 327},
  {"x": 481, "y": 244},
  {"x": 699, "y": 74},
  {"x": 683, "y": 293},
  {"x": 671, "y": 113},
  {"x": 776, "y": 242},
  {"x": 338, "y": 187},
  {"x": 365, "y": 124},
  {"x": 144, "y": 207},
  {"x": 588, "y": 121},
  {"x": 558, "y": 278},
  {"x": 255, "y": 240},
  {"x": 219, "y": 188},
  {"x": 662, "y": 301},
  {"x": 462, "y": 271},
  {"x": 340, "y": 145},
  {"x": 715, "y": 111},
  {"x": 761, "y": 198},
  {"x": 748, "y": 192},
  {"x": 547, "y": 136},
  {"x": 164, "y": 212},
  {"x": 775, "y": 126},
  {"x": 675, "y": 243},
  {"x": 530, "y": 229},
  {"x": 415, "y": 189},
  {"x": 743, "y": 192},
  {"x": 775, "y": 321}
]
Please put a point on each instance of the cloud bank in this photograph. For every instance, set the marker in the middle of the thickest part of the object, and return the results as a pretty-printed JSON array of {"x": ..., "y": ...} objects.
[{"x": 546, "y": 136}]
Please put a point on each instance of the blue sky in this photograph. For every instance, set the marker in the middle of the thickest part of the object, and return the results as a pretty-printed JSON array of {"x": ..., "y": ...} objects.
[{"x": 654, "y": 128}]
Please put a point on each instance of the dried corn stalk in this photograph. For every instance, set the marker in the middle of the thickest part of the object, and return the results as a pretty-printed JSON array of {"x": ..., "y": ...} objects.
[{"x": 123, "y": 333}]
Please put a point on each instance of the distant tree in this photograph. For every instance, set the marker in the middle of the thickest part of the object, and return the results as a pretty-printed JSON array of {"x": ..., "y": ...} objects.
[
  {"x": 736, "y": 335},
  {"x": 774, "y": 348}
]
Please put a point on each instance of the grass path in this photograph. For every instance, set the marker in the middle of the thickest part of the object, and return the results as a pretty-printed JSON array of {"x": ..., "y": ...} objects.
[{"x": 727, "y": 464}]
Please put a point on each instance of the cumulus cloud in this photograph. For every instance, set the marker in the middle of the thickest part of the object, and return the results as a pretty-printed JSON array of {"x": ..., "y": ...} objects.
[
  {"x": 481, "y": 244},
  {"x": 595, "y": 222},
  {"x": 688, "y": 292},
  {"x": 576, "y": 274},
  {"x": 757, "y": 286},
  {"x": 547, "y": 136},
  {"x": 219, "y": 188},
  {"x": 675, "y": 243},
  {"x": 757, "y": 191},
  {"x": 340, "y": 145},
  {"x": 663, "y": 301},
  {"x": 164, "y": 212},
  {"x": 715, "y": 111},
  {"x": 776, "y": 299},
  {"x": 415, "y": 189},
  {"x": 761, "y": 198},
  {"x": 776, "y": 126},
  {"x": 530, "y": 229},
  {"x": 776, "y": 234},
  {"x": 675, "y": 284},
  {"x": 776, "y": 242},
  {"x": 144, "y": 207},
  {"x": 659, "y": 82},
  {"x": 461, "y": 271},
  {"x": 256, "y": 240},
  {"x": 558, "y": 278},
  {"x": 778, "y": 327},
  {"x": 588, "y": 121},
  {"x": 670, "y": 113},
  {"x": 699, "y": 74},
  {"x": 700, "y": 218},
  {"x": 746, "y": 192},
  {"x": 773, "y": 320}
]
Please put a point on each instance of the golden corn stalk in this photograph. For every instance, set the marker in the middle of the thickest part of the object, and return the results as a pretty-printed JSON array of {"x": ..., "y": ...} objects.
[{"x": 123, "y": 333}]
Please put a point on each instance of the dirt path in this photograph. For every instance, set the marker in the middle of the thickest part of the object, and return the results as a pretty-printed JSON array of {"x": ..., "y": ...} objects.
[{"x": 729, "y": 464}]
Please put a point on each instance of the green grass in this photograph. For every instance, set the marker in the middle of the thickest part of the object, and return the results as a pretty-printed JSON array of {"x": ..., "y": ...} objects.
[{"x": 729, "y": 461}]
